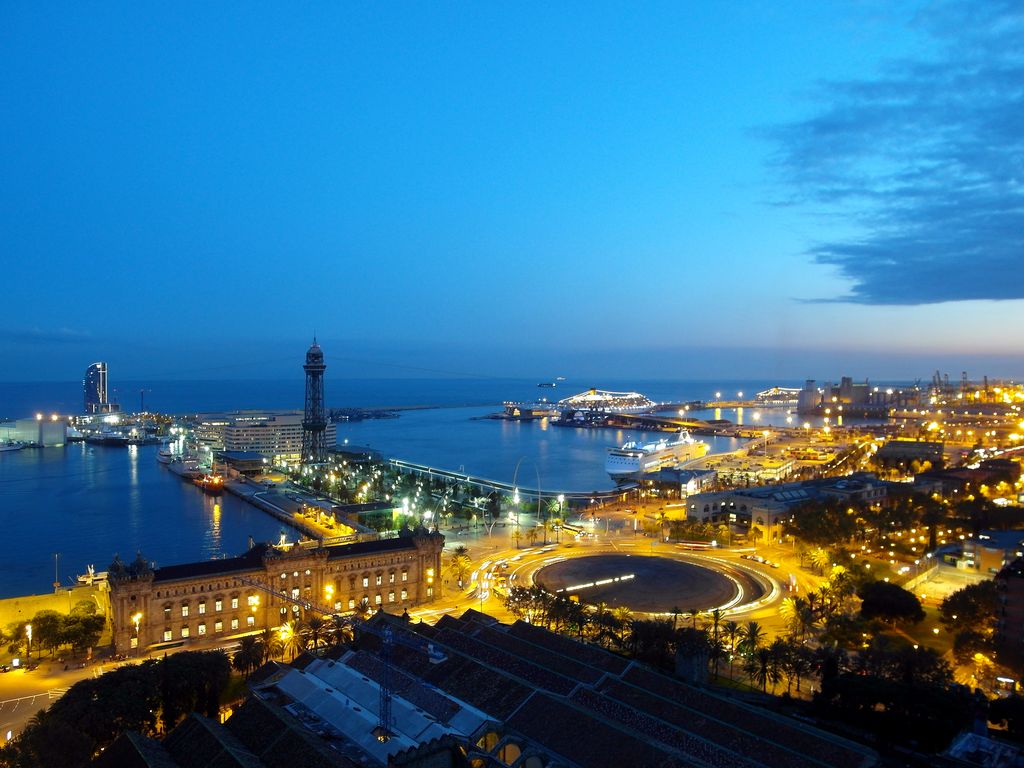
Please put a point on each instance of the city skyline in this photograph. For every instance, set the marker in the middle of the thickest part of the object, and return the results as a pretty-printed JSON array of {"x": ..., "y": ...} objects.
[{"x": 688, "y": 192}]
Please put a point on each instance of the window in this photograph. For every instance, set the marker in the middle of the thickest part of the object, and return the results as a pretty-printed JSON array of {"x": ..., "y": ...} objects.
[
  {"x": 337, "y": 605},
  {"x": 218, "y": 605},
  {"x": 234, "y": 602},
  {"x": 234, "y": 623},
  {"x": 184, "y": 632},
  {"x": 366, "y": 581},
  {"x": 430, "y": 591},
  {"x": 405, "y": 575},
  {"x": 380, "y": 579},
  {"x": 391, "y": 596},
  {"x": 250, "y": 621},
  {"x": 391, "y": 578},
  {"x": 295, "y": 591},
  {"x": 202, "y": 607},
  {"x": 218, "y": 626},
  {"x": 377, "y": 599},
  {"x": 184, "y": 611},
  {"x": 167, "y": 614},
  {"x": 351, "y": 603},
  {"x": 405, "y": 594},
  {"x": 202, "y": 629},
  {"x": 168, "y": 635}
]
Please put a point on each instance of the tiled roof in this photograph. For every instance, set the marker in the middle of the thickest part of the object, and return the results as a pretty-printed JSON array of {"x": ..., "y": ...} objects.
[{"x": 251, "y": 560}]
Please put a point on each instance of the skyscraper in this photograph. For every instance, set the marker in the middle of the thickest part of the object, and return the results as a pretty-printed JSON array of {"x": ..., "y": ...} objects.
[
  {"x": 95, "y": 386},
  {"x": 314, "y": 421}
]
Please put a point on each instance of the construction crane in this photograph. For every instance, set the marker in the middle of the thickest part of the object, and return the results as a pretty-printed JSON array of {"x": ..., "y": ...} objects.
[{"x": 385, "y": 634}]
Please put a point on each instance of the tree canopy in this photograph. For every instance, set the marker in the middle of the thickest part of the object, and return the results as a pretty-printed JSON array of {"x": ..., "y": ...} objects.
[{"x": 889, "y": 602}]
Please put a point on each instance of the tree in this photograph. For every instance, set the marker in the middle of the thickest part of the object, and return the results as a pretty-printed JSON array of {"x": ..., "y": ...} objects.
[
  {"x": 249, "y": 655},
  {"x": 459, "y": 564},
  {"x": 889, "y": 602},
  {"x": 751, "y": 637},
  {"x": 974, "y": 607},
  {"x": 270, "y": 645},
  {"x": 47, "y": 628}
]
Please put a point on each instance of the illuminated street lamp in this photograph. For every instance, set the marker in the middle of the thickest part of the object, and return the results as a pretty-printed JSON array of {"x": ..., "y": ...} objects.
[
  {"x": 28, "y": 632},
  {"x": 561, "y": 518},
  {"x": 136, "y": 619}
]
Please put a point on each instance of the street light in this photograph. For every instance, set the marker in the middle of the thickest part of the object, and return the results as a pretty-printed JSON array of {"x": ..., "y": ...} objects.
[
  {"x": 561, "y": 518},
  {"x": 136, "y": 618},
  {"x": 28, "y": 631}
]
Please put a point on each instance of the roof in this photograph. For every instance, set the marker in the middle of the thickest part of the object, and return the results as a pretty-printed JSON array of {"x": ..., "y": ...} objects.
[
  {"x": 249, "y": 561},
  {"x": 253, "y": 559}
]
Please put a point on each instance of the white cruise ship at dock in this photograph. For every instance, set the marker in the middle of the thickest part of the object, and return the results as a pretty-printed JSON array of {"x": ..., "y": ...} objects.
[{"x": 633, "y": 459}]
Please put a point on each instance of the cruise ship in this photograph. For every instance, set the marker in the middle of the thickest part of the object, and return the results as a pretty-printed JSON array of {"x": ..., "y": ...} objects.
[{"x": 634, "y": 459}]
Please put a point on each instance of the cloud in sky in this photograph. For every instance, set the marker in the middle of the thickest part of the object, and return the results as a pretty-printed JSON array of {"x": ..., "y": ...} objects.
[
  {"x": 927, "y": 160},
  {"x": 45, "y": 335}
]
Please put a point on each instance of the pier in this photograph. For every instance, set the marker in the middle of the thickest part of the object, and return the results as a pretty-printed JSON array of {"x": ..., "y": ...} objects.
[{"x": 488, "y": 485}]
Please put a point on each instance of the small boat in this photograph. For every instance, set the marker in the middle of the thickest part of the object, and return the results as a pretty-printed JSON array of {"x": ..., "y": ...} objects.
[
  {"x": 212, "y": 484},
  {"x": 10, "y": 445},
  {"x": 547, "y": 384}
]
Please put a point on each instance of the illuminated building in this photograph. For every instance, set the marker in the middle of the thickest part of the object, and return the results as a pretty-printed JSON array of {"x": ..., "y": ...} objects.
[
  {"x": 95, "y": 390},
  {"x": 268, "y": 586}
]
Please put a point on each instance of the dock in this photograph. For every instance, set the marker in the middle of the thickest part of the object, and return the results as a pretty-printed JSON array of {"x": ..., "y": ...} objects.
[{"x": 486, "y": 485}]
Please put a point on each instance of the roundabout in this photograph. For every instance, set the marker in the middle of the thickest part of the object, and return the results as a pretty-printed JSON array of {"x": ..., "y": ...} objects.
[
  {"x": 673, "y": 582},
  {"x": 639, "y": 582}
]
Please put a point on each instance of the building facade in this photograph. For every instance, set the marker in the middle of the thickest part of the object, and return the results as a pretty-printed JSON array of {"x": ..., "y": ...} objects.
[
  {"x": 767, "y": 508},
  {"x": 94, "y": 387},
  {"x": 268, "y": 586},
  {"x": 275, "y": 435}
]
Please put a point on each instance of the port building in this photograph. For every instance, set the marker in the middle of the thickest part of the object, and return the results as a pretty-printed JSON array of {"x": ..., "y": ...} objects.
[
  {"x": 274, "y": 435},
  {"x": 169, "y": 606},
  {"x": 41, "y": 431}
]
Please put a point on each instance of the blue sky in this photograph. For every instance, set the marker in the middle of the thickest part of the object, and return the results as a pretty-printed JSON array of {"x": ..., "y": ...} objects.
[{"x": 678, "y": 189}]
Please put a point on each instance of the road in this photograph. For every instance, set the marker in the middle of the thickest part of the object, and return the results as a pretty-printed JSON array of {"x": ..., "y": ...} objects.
[{"x": 495, "y": 555}]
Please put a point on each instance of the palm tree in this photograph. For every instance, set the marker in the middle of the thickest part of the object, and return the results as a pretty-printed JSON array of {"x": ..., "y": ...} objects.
[
  {"x": 694, "y": 613},
  {"x": 459, "y": 563},
  {"x": 675, "y": 616},
  {"x": 531, "y": 535},
  {"x": 732, "y": 633},
  {"x": 762, "y": 662},
  {"x": 821, "y": 560},
  {"x": 315, "y": 632},
  {"x": 270, "y": 644},
  {"x": 752, "y": 636},
  {"x": 340, "y": 630},
  {"x": 716, "y": 623},
  {"x": 292, "y": 640},
  {"x": 249, "y": 655}
]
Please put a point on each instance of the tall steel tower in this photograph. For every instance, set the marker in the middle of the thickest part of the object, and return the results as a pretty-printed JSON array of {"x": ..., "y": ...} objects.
[{"x": 314, "y": 420}]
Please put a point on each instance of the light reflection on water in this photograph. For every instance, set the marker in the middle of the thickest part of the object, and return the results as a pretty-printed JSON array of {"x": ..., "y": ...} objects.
[{"x": 90, "y": 502}]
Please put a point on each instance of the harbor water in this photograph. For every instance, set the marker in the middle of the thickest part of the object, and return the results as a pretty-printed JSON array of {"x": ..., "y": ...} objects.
[{"x": 89, "y": 502}]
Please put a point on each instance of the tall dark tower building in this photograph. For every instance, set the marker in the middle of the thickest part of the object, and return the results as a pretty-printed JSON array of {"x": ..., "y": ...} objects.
[
  {"x": 314, "y": 421},
  {"x": 95, "y": 386}
]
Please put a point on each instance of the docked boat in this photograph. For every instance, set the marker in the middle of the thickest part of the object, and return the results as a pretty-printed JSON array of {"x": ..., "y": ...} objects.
[
  {"x": 185, "y": 466},
  {"x": 10, "y": 445},
  {"x": 164, "y": 455},
  {"x": 212, "y": 484},
  {"x": 633, "y": 459},
  {"x": 108, "y": 436}
]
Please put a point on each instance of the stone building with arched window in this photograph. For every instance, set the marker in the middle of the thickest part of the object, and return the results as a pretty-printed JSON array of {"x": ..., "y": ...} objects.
[{"x": 155, "y": 608}]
